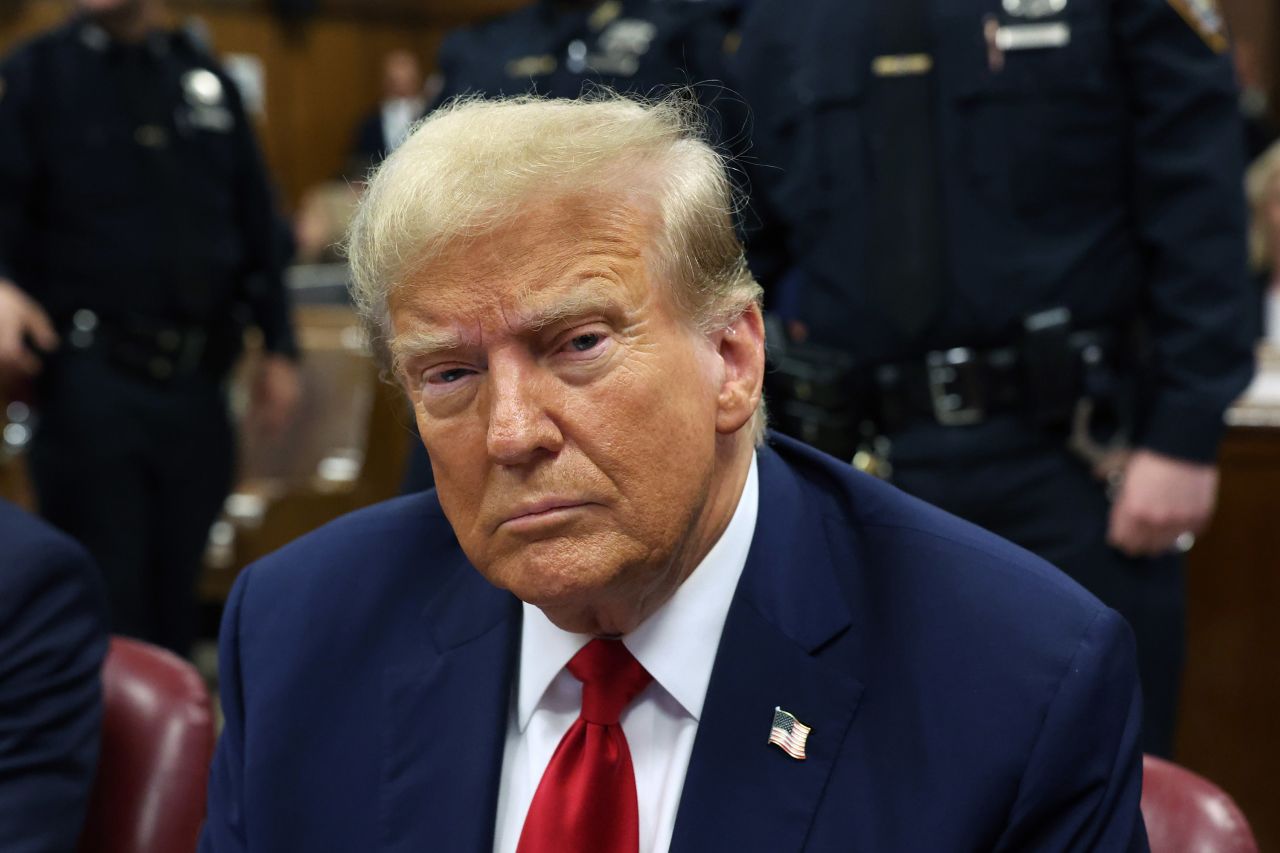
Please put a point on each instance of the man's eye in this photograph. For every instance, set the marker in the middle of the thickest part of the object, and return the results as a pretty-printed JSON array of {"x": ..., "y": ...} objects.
[
  {"x": 585, "y": 343},
  {"x": 446, "y": 377}
]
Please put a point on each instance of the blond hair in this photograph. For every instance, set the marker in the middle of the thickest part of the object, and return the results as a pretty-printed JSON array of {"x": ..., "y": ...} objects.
[{"x": 473, "y": 165}]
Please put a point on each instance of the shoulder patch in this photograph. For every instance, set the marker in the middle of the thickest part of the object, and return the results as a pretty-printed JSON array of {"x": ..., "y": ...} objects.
[{"x": 1205, "y": 17}]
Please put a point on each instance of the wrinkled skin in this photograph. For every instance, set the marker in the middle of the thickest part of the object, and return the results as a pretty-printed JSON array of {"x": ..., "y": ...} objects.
[{"x": 589, "y": 444}]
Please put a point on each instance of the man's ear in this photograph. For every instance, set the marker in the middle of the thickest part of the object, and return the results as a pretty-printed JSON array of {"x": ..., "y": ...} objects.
[{"x": 740, "y": 345}]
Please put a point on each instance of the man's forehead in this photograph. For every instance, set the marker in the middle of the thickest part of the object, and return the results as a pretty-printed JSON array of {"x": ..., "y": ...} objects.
[
  {"x": 560, "y": 257},
  {"x": 426, "y": 324}
]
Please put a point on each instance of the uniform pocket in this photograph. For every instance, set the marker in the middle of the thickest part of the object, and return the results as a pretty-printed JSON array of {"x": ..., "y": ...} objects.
[
  {"x": 816, "y": 151},
  {"x": 1046, "y": 129}
]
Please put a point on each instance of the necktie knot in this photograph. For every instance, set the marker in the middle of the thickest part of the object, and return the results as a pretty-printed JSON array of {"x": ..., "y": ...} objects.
[{"x": 610, "y": 678}]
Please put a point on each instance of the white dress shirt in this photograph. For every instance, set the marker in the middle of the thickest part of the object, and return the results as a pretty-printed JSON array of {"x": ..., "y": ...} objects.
[
  {"x": 398, "y": 116},
  {"x": 677, "y": 645}
]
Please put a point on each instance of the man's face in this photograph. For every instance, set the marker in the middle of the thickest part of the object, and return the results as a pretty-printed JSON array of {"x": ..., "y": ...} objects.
[
  {"x": 402, "y": 76},
  {"x": 569, "y": 410}
]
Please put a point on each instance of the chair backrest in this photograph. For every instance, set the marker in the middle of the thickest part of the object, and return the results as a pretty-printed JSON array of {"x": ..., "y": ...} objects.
[
  {"x": 157, "y": 742},
  {"x": 1186, "y": 813}
]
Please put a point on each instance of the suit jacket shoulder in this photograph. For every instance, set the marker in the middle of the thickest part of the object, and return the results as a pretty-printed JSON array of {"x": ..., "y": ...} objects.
[
  {"x": 970, "y": 695},
  {"x": 52, "y": 644}
]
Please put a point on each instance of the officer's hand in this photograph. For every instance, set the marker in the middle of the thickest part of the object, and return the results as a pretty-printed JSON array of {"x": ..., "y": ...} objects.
[
  {"x": 21, "y": 317},
  {"x": 1160, "y": 499},
  {"x": 277, "y": 388}
]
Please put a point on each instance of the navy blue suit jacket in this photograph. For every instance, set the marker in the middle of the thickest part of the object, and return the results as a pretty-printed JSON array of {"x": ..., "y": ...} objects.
[
  {"x": 53, "y": 638},
  {"x": 963, "y": 695}
]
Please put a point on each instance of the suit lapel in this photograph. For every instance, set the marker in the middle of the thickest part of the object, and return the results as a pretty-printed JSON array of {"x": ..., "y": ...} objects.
[
  {"x": 447, "y": 722},
  {"x": 741, "y": 793}
]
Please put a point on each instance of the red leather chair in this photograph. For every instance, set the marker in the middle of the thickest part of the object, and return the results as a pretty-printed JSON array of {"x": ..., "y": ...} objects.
[
  {"x": 1186, "y": 813},
  {"x": 157, "y": 742}
]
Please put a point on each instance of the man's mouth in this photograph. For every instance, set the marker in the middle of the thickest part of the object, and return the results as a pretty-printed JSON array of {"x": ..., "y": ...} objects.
[{"x": 543, "y": 511}]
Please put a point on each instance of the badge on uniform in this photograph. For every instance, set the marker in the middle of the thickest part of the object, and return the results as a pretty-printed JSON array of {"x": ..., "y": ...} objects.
[
  {"x": 206, "y": 100},
  {"x": 531, "y": 66},
  {"x": 1032, "y": 36},
  {"x": 1206, "y": 19},
  {"x": 620, "y": 47}
]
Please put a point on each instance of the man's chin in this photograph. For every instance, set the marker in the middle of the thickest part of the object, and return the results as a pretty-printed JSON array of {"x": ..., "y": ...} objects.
[{"x": 557, "y": 575}]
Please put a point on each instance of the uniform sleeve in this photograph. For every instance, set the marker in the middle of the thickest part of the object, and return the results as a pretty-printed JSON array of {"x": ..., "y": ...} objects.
[
  {"x": 52, "y": 644},
  {"x": 17, "y": 164},
  {"x": 265, "y": 238},
  {"x": 1082, "y": 786},
  {"x": 1190, "y": 212},
  {"x": 224, "y": 828}
]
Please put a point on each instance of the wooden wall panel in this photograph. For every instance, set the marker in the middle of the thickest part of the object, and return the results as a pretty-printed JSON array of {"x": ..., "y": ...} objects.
[
  {"x": 1255, "y": 26},
  {"x": 1231, "y": 687}
]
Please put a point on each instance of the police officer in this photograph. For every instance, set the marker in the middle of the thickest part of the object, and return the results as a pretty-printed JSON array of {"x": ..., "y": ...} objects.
[
  {"x": 1018, "y": 227},
  {"x": 136, "y": 241}
]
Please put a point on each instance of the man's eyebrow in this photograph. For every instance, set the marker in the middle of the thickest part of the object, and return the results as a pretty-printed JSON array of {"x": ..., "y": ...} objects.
[
  {"x": 595, "y": 299},
  {"x": 422, "y": 342}
]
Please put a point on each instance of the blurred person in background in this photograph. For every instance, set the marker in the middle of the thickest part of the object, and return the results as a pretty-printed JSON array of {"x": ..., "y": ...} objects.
[
  {"x": 406, "y": 95},
  {"x": 1021, "y": 231},
  {"x": 137, "y": 240},
  {"x": 1263, "y": 186},
  {"x": 53, "y": 640}
]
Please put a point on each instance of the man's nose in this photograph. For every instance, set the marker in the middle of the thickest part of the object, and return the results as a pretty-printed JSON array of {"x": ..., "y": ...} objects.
[{"x": 520, "y": 424}]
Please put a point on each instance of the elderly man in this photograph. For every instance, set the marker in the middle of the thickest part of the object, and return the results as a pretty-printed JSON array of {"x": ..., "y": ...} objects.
[{"x": 624, "y": 622}]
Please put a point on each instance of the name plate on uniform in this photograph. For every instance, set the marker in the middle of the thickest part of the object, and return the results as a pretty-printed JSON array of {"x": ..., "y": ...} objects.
[
  {"x": 902, "y": 65},
  {"x": 1033, "y": 36}
]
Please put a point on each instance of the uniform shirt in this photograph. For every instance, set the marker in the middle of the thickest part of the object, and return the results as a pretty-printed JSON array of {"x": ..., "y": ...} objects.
[
  {"x": 556, "y": 48},
  {"x": 677, "y": 645},
  {"x": 1099, "y": 171},
  {"x": 130, "y": 181}
]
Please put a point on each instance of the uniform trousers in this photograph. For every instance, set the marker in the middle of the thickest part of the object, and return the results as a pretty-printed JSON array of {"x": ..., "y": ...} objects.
[
  {"x": 1021, "y": 482},
  {"x": 137, "y": 471}
]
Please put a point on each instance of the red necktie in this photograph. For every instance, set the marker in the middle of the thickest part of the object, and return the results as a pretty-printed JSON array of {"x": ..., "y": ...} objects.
[{"x": 586, "y": 801}]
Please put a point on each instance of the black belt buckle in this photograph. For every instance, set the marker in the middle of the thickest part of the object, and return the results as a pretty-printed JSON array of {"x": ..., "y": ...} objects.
[{"x": 955, "y": 387}]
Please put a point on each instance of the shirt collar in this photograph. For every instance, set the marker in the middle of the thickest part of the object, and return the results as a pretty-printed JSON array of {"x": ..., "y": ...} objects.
[{"x": 677, "y": 644}]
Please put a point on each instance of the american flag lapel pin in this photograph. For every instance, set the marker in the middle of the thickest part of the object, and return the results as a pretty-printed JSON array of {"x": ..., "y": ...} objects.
[{"x": 788, "y": 733}]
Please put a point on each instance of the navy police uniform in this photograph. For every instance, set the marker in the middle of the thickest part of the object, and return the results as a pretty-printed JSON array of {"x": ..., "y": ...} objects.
[
  {"x": 559, "y": 48},
  {"x": 1009, "y": 220},
  {"x": 134, "y": 207}
]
